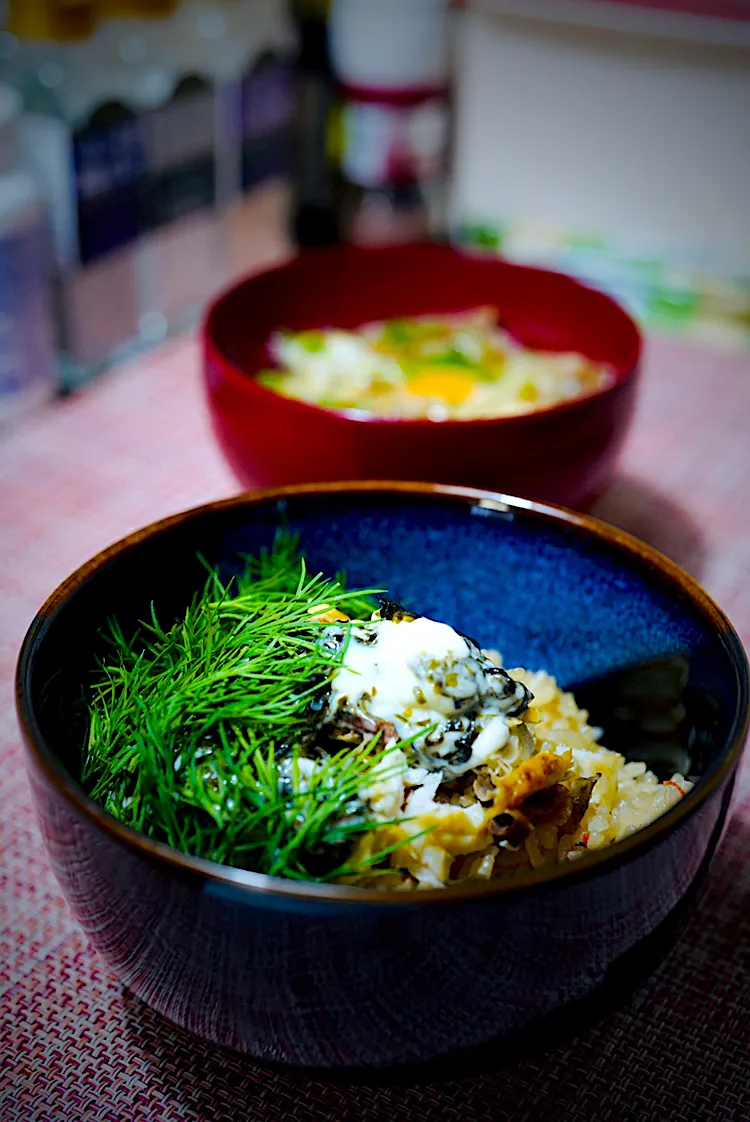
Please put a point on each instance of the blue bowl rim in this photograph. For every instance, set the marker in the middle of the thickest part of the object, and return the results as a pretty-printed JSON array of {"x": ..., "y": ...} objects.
[{"x": 226, "y": 878}]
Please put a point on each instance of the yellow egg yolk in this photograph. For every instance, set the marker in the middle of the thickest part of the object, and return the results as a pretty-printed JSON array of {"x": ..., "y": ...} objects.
[{"x": 451, "y": 387}]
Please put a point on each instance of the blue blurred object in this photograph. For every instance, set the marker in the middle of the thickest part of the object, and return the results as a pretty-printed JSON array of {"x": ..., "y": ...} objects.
[
  {"x": 148, "y": 140},
  {"x": 28, "y": 371}
]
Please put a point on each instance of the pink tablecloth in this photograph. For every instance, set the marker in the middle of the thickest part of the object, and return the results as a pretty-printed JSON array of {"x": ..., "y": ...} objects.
[{"x": 75, "y": 1046}]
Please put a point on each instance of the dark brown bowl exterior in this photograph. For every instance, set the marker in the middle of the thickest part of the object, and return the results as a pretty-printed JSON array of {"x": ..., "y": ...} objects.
[
  {"x": 566, "y": 454},
  {"x": 324, "y": 976}
]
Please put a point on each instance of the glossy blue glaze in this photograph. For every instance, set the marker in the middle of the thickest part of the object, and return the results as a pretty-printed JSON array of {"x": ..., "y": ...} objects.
[
  {"x": 325, "y": 978},
  {"x": 545, "y": 596}
]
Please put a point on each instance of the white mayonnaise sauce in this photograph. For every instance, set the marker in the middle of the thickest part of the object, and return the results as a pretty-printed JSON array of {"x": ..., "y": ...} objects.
[{"x": 416, "y": 673}]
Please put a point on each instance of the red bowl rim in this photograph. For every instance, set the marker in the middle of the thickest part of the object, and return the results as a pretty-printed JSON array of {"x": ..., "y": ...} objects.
[
  {"x": 248, "y": 384},
  {"x": 224, "y": 877}
]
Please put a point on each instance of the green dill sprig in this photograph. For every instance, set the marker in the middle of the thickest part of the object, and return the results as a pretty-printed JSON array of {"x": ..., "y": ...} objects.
[
  {"x": 198, "y": 731},
  {"x": 304, "y": 819}
]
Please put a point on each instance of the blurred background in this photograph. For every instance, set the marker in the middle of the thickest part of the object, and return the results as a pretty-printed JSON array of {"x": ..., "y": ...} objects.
[{"x": 151, "y": 152}]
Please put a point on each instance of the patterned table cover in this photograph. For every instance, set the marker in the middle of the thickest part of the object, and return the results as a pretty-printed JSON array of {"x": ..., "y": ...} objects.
[{"x": 75, "y": 1045}]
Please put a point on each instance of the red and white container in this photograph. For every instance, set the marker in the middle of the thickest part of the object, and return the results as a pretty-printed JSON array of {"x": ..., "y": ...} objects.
[{"x": 392, "y": 64}]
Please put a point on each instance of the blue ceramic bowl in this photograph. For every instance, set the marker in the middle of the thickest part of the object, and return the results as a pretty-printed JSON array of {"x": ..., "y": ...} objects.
[{"x": 332, "y": 976}]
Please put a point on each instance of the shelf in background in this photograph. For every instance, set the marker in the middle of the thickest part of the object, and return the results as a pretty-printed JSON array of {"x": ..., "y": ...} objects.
[{"x": 724, "y": 23}]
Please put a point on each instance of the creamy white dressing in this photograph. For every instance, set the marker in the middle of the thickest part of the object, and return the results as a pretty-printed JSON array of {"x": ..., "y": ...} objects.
[
  {"x": 419, "y": 673},
  {"x": 390, "y": 670}
]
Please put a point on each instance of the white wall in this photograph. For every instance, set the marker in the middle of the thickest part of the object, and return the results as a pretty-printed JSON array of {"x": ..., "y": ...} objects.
[{"x": 626, "y": 135}]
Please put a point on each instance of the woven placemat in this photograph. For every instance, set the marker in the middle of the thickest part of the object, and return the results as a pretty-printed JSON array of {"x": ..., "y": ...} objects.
[{"x": 74, "y": 1045}]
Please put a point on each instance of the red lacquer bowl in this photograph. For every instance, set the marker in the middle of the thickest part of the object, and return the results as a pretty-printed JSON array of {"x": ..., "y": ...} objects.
[{"x": 565, "y": 454}]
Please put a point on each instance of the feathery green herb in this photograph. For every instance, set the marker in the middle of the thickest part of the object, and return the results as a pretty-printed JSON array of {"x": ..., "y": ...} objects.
[{"x": 198, "y": 730}]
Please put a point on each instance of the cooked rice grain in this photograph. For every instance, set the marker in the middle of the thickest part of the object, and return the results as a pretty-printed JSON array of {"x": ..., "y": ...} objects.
[{"x": 447, "y": 838}]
